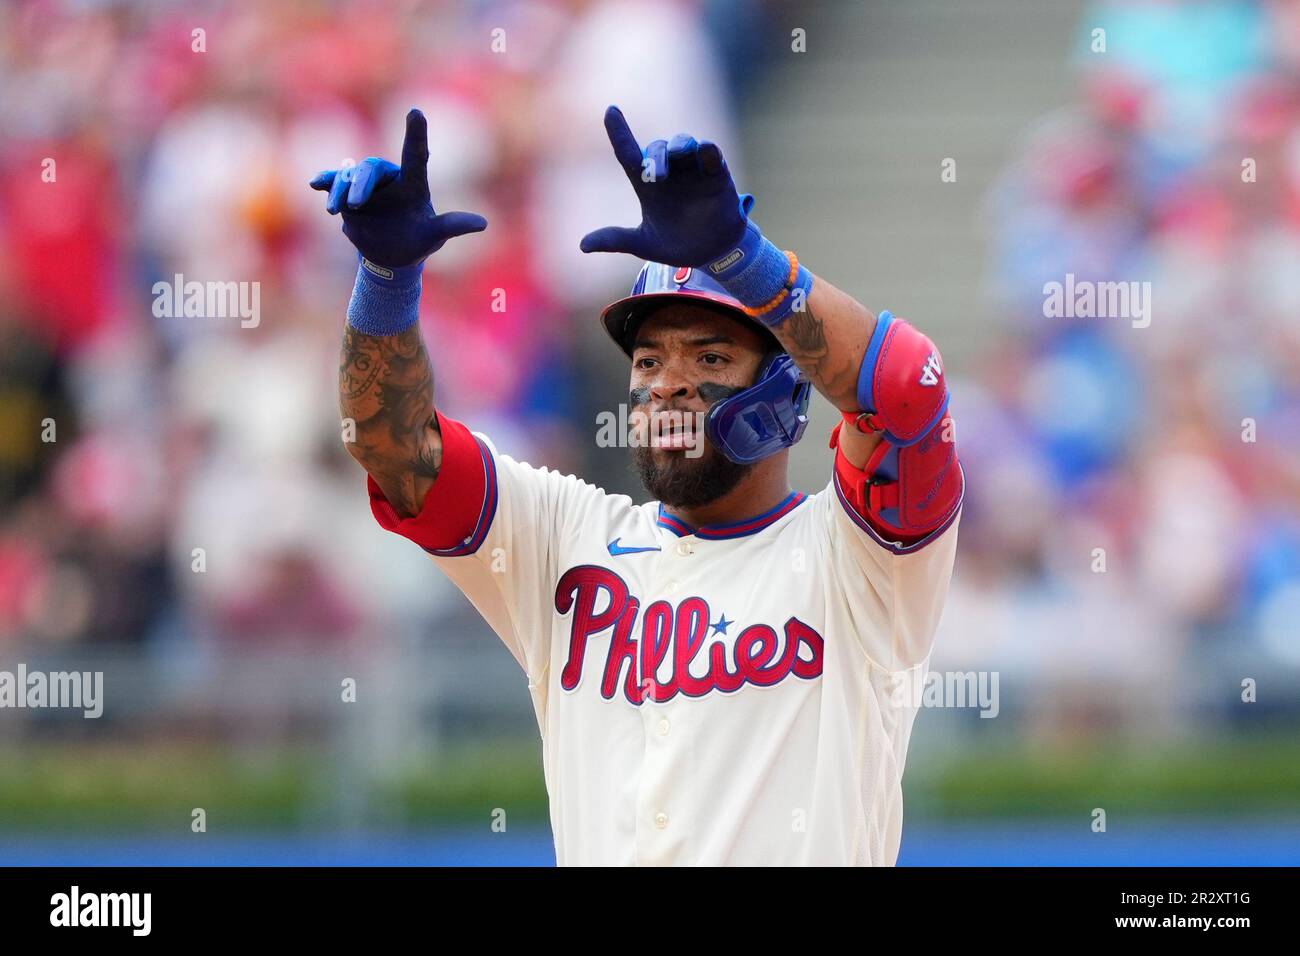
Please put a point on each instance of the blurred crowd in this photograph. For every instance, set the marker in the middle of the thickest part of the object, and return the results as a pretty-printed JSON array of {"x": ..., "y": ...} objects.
[
  {"x": 171, "y": 480},
  {"x": 1134, "y": 508},
  {"x": 168, "y": 481}
]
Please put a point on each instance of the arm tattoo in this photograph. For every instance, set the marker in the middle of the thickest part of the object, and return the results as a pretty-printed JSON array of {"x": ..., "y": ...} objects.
[
  {"x": 807, "y": 336},
  {"x": 386, "y": 388},
  {"x": 804, "y": 336}
]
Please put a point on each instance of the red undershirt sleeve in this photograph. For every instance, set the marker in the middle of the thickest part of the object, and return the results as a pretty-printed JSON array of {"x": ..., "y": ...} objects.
[{"x": 458, "y": 509}]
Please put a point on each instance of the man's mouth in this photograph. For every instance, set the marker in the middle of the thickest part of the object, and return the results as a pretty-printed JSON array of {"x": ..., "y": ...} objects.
[
  {"x": 674, "y": 440},
  {"x": 677, "y": 431}
]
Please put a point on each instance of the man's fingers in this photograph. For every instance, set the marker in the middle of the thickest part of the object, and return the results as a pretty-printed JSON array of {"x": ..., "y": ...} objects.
[
  {"x": 626, "y": 150},
  {"x": 323, "y": 180},
  {"x": 711, "y": 161},
  {"x": 459, "y": 223},
  {"x": 338, "y": 190},
  {"x": 436, "y": 231},
  {"x": 611, "y": 239},
  {"x": 682, "y": 152},
  {"x": 370, "y": 174},
  {"x": 415, "y": 148},
  {"x": 656, "y": 162},
  {"x": 363, "y": 181}
]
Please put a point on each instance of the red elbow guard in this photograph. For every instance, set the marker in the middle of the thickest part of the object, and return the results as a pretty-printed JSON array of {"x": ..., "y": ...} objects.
[
  {"x": 912, "y": 484},
  {"x": 904, "y": 493},
  {"x": 901, "y": 384}
]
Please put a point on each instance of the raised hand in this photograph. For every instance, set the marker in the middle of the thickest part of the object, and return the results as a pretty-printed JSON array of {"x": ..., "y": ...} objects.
[
  {"x": 691, "y": 214},
  {"x": 386, "y": 210}
]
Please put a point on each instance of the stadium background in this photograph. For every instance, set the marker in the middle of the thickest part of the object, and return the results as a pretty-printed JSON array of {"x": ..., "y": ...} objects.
[{"x": 1118, "y": 690}]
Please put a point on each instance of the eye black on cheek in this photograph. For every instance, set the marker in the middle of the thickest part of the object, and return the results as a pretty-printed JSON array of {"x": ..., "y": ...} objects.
[{"x": 716, "y": 391}]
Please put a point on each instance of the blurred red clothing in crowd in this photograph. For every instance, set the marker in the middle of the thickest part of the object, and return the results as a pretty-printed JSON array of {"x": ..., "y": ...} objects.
[{"x": 59, "y": 238}]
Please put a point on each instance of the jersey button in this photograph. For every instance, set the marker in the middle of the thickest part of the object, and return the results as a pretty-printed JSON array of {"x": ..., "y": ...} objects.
[
  {"x": 661, "y": 820},
  {"x": 684, "y": 548},
  {"x": 663, "y": 728}
]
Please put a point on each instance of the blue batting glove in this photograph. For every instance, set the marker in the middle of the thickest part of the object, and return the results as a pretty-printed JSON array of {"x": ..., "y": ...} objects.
[
  {"x": 388, "y": 217},
  {"x": 386, "y": 210},
  {"x": 691, "y": 214}
]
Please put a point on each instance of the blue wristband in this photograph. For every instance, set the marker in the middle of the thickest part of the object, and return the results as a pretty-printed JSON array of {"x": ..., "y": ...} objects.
[
  {"x": 755, "y": 271},
  {"x": 796, "y": 301},
  {"x": 385, "y": 301}
]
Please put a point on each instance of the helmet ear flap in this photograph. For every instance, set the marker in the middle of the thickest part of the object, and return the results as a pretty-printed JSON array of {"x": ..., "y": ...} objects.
[
  {"x": 764, "y": 366},
  {"x": 801, "y": 396},
  {"x": 765, "y": 418}
]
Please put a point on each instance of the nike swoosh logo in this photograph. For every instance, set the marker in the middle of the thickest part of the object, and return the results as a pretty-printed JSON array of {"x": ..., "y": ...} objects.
[{"x": 616, "y": 548}]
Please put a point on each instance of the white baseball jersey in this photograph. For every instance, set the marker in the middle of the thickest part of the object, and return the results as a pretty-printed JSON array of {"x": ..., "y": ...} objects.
[{"x": 713, "y": 695}]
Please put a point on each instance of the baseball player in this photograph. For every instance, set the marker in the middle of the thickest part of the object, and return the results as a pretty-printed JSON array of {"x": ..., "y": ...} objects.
[{"x": 715, "y": 673}]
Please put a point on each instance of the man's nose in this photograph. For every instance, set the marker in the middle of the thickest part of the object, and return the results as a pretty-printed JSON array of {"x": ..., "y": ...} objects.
[{"x": 669, "y": 386}]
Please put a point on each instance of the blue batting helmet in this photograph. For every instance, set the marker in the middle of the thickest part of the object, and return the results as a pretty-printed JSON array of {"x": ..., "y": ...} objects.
[{"x": 757, "y": 421}]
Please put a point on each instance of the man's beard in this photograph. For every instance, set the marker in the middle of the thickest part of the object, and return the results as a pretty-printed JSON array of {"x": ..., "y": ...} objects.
[
  {"x": 682, "y": 482},
  {"x": 688, "y": 482}
]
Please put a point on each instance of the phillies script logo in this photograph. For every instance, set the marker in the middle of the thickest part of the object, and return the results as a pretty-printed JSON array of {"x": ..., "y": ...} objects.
[{"x": 682, "y": 632}]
